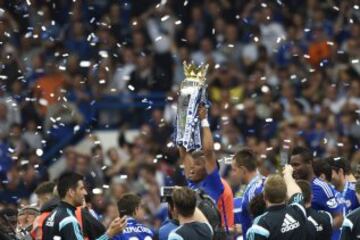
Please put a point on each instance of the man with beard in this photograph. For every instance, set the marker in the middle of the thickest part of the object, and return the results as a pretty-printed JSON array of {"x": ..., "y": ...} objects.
[{"x": 62, "y": 223}]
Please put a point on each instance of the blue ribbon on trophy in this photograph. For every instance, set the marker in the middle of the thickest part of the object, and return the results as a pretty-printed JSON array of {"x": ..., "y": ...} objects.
[{"x": 192, "y": 94}]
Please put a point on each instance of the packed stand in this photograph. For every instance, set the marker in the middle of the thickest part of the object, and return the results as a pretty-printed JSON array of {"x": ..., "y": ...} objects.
[{"x": 281, "y": 75}]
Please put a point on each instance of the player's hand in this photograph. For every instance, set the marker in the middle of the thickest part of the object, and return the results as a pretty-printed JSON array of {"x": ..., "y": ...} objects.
[
  {"x": 116, "y": 226},
  {"x": 288, "y": 170},
  {"x": 202, "y": 112}
]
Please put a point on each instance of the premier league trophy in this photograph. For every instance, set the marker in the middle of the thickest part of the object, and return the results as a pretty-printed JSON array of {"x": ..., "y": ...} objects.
[{"x": 192, "y": 93}]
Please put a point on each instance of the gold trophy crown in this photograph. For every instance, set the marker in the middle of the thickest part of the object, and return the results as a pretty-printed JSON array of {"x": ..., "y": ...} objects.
[{"x": 195, "y": 73}]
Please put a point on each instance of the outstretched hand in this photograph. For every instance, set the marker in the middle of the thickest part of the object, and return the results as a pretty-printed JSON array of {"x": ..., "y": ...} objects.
[
  {"x": 117, "y": 226},
  {"x": 288, "y": 170}
]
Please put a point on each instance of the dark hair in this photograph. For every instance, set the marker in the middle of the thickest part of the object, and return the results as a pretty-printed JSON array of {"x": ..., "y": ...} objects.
[
  {"x": 257, "y": 205},
  {"x": 67, "y": 181},
  {"x": 45, "y": 188},
  {"x": 321, "y": 166},
  {"x": 338, "y": 163},
  {"x": 128, "y": 203},
  {"x": 184, "y": 200},
  {"x": 305, "y": 189},
  {"x": 305, "y": 154},
  {"x": 246, "y": 158}
]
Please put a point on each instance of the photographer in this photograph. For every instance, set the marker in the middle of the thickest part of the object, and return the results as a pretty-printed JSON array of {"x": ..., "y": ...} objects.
[
  {"x": 193, "y": 223},
  {"x": 170, "y": 223},
  {"x": 8, "y": 219}
]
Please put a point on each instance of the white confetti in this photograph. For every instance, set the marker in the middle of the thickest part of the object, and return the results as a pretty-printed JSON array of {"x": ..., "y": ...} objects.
[
  {"x": 158, "y": 38},
  {"x": 85, "y": 64},
  {"x": 39, "y": 152},
  {"x": 62, "y": 68},
  {"x": 103, "y": 54},
  {"x": 131, "y": 87},
  {"x": 170, "y": 144},
  {"x": 123, "y": 176},
  {"x": 178, "y": 22},
  {"x": 102, "y": 81},
  {"x": 265, "y": 89},
  {"x": 356, "y": 7},
  {"x": 164, "y": 18},
  {"x": 186, "y": 2},
  {"x": 43, "y": 102},
  {"x": 340, "y": 144},
  {"x": 353, "y": 61},
  {"x": 24, "y": 162},
  {"x": 217, "y": 146},
  {"x": 256, "y": 39},
  {"x": 97, "y": 191},
  {"x": 76, "y": 128},
  {"x": 268, "y": 120}
]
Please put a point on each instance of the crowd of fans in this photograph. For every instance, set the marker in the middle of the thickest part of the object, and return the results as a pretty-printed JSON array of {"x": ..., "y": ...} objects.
[{"x": 282, "y": 74}]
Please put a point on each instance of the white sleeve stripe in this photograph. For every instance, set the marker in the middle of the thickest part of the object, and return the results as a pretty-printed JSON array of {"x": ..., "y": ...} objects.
[
  {"x": 300, "y": 207},
  {"x": 174, "y": 236},
  {"x": 237, "y": 210},
  {"x": 325, "y": 188},
  {"x": 211, "y": 229},
  {"x": 330, "y": 216},
  {"x": 259, "y": 230},
  {"x": 312, "y": 221},
  {"x": 348, "y": 223}
]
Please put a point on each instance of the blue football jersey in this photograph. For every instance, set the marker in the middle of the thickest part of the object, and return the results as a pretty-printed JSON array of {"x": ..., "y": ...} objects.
[
  {"x": 349, "y": 197},
  {"x": 135, "y": 231},
  {"x": 254, "y": 188},
  {"x": 326, "y": 198}
]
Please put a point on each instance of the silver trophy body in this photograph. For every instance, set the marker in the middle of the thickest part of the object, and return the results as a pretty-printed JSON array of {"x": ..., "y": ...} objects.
[{"x": 192, "y": 93}]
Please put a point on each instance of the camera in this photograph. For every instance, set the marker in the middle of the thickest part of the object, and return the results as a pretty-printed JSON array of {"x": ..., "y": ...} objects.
[{"x": 165, "y": 193}]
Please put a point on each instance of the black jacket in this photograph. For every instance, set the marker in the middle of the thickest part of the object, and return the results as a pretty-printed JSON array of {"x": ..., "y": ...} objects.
[
  {"x": 63, "y": 223},
  {"x": 320, "y": 223},
  {"x": 92, "y": 228},
  {"x": 282, "y": 222}
]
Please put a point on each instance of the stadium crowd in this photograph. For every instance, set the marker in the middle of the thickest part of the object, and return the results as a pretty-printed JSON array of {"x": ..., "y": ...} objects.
[{"x": 284, "y": 86}]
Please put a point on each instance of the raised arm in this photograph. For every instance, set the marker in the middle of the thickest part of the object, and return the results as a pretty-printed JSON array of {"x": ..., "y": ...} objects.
[
  {"x": 291, "y": 185},
  {"x": 207, "y": 141}
]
